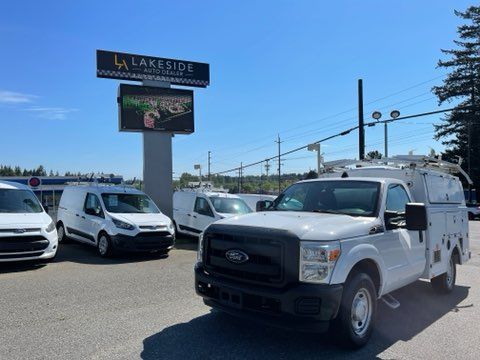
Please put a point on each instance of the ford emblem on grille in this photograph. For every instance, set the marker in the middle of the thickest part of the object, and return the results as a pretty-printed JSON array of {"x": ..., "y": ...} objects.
[{"x": 236, "y": 256}]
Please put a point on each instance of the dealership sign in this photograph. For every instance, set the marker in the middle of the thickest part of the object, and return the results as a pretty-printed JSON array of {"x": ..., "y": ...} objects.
[{"x": 117, "y": 65}]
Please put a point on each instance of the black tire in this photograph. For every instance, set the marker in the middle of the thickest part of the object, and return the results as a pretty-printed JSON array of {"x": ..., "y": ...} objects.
[
  {"x": 104, "y": 245},
  {"x": 62, "y": 235},
  {"x": 359, "y": 287},
  {"x": 445, "y": 283}
]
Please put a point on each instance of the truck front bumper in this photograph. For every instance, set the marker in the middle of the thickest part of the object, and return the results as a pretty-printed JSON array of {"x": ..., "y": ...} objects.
[{"x": 304, "y": 307}]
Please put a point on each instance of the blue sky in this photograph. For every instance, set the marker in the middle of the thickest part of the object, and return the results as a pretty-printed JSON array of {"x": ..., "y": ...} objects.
[{"x": 284, "y": 67}]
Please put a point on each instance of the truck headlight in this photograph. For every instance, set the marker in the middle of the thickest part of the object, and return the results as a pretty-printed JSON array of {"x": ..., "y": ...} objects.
[
  {"x": 317, "y": 261},
  {"x": 50, "y": 227},
  {"x": 122, "y": 224},
  {"x": 200, "y": 248}
]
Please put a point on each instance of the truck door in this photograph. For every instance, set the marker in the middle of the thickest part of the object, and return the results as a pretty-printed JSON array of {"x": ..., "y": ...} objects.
[{"x": 406, "y": 257}]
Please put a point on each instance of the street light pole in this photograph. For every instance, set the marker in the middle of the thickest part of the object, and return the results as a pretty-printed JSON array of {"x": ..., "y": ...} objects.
[{"x": 385, "y": 130}]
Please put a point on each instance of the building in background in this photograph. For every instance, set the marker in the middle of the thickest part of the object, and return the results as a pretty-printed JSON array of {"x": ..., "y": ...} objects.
[{"x": 49, "y": 189}]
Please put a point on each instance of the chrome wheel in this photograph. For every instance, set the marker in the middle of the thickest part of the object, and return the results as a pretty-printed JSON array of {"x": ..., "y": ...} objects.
[
  {"x": 103, "y": 245},
  {"x": 361, "y": 312}
]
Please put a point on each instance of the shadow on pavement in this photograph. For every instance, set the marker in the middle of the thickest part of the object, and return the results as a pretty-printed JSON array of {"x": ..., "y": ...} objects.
[
  {"x": 218, "y": 335},
  {"x": 76, "y": 252},
  {"x": 20, "y": 266}
]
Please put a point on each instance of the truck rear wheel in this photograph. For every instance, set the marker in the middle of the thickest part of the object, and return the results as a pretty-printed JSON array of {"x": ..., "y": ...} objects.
[
  {"x": 354, "y": 323},
  {"x": 444, "y": 284}
]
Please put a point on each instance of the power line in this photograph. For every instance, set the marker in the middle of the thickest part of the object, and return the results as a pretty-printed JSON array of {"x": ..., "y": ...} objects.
[
  {"x": 330, "y": 117},
  {"x": 345, "y": 132}
]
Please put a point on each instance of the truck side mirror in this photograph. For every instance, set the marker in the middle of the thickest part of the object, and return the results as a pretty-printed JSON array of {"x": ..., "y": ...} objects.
[
  {"x": 416, "y": 216},
  {"x": 262, "y": 205}
]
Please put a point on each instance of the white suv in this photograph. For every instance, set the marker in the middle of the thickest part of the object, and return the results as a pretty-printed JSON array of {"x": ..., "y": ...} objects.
[
  {"x": 27, "y": 232},
  {"x": 113, "y": 218}
]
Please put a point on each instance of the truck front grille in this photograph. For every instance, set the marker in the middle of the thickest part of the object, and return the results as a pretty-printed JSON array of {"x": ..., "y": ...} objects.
[{"x": 268, "y": 262}]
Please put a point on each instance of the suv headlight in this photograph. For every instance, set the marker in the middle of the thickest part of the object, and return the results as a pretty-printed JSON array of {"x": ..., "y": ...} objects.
[
  {"x": 122, "y": 224},
  {"x": 317, "y": 261},
  {"x": 50, "y": 227},
  {"x": 200, "y": 248}
]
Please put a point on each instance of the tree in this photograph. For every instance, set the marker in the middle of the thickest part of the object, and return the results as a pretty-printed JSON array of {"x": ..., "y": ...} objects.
[
  {"x": 374, "y": 154},
  {"x": 459, "y": 131}
]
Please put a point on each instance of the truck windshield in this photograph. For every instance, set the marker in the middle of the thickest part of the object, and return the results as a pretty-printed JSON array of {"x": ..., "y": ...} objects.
[
  {"x": 356, "y": 198},
  {"x": 230, "y": 205},
  {"x": 129, "y": 203},
  {"x": 19, "y": 201}
]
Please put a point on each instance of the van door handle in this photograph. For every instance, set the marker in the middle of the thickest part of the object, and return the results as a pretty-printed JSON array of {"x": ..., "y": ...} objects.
[
  {"x": 195, "y": 216},
  {"x": 77, "y": 215},
  {"x": 83, "y": 217},
  {"x": 189, "y": 215}
]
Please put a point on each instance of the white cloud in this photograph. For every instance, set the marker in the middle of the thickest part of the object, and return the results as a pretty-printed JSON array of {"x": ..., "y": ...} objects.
[
  {"x": 11, "y": 97},
  {"x": 51, "y": 113}
]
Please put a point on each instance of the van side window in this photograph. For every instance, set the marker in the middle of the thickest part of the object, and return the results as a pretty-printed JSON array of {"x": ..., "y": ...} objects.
[
  {"x": 397, "y": 198},
  {"x": 92, "y": 205},
  {"x": 202, "y": 207}
]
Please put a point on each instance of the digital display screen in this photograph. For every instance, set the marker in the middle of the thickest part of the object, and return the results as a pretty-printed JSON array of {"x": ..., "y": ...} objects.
[{"x": 146, "y": 108}]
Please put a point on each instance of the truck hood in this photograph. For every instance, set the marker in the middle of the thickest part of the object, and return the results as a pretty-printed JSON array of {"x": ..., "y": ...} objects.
[
  {"x": 142, "y": 219},
  {"x": 8, "y": 220},
  {"x": 307, "y": 225}
]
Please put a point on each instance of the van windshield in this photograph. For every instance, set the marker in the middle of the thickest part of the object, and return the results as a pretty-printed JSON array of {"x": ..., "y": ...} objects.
[
  {"x": 349, "y": 197},
  {"x": 19, "y": 201},
  {"x": 129, "y": 203},
  {"x": 229, "y": 205}
]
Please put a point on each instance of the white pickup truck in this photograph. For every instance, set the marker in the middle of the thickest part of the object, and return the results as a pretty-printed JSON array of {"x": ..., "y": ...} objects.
[{"x": 327, "y": 249}]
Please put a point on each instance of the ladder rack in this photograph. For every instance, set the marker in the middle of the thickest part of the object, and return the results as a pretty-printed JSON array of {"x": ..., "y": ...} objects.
[{"x": 401, "y": 162}]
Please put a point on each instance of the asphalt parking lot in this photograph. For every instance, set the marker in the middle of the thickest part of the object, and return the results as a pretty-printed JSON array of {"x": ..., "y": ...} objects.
[{"x": 85, "y": 307}]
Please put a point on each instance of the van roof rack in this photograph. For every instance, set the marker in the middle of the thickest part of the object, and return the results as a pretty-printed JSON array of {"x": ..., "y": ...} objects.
[
  {"x": 401, "y": 162},
  {"x": 98, "y": 179}
]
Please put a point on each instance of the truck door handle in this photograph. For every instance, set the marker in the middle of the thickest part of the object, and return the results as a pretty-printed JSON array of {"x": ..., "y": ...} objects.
[
  {"x": 77, "y": 215},
  {"x": 195, "y": 216},
  {"x": 83, "y": 217},
  {"x": 189, "y": 215}
]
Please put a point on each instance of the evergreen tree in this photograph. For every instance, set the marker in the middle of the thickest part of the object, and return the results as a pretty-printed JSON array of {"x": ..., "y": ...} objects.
[
  {"x": 462, "y": 85},
  {"x": 374, "y": 154}
]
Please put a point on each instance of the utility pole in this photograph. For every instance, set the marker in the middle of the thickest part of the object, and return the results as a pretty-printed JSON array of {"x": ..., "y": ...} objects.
[
  {"x": 240, "y": 178},
  {"x": 267, "y": 167},
  {"x": 279, "y": 165},
  {"x": 361, "y": 127},
  {"x": 209, "y": 161}
]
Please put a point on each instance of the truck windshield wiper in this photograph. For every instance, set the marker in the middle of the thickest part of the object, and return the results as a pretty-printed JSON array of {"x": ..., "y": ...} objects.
[{"x": 326, "y": 211}]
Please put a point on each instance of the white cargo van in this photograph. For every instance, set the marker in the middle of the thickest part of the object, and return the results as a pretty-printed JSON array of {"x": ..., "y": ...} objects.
[
  {"x": 113, "y": 218},
  {"x": 328, "y": 248},
  {"x": 27, "y": 232},
  {"x": 195, "y": 209}
]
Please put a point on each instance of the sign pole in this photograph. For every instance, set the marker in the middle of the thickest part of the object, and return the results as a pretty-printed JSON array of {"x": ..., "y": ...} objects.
[{"x": 157, "y": 163}]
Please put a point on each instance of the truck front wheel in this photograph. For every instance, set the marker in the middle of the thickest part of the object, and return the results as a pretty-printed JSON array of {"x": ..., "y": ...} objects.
[
  {"x": 356, "y": 317},
  {"x": 444, "y": 284}
]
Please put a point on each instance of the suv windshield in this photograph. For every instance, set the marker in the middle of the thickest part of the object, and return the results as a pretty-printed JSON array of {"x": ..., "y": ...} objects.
[
  {"x": 229, "y": 205},
  {"x": 19, "y": 201},
  {"x": 129, "y": 203},
  {"x": 356, "y": 198}
]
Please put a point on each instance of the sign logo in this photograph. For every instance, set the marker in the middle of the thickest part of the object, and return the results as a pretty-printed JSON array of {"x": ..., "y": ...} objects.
[
  {"x": 236, "y": 256},
  {"x": 34, "y": 182},
  {"x": 121, "y": 64},
  {"x": 19, "y": 231},
  {"x": 136, "y": 67}
]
